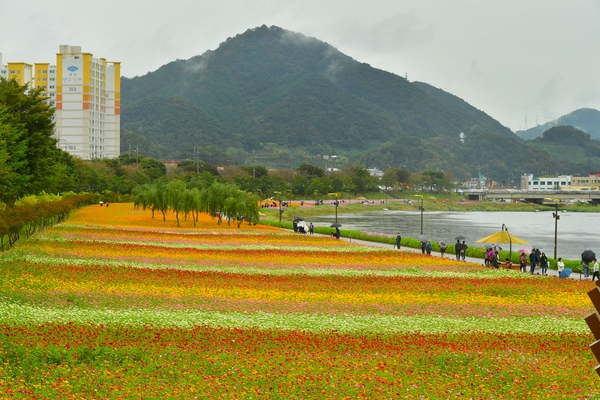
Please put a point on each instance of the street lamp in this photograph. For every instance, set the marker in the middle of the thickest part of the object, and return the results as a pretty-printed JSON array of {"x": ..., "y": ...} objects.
[
  {"x": 556, "y": 218},
  {"x": 422, "y": 209},
  {"x": 279, "y": 198},
  {"x": 336, "y": 195}
]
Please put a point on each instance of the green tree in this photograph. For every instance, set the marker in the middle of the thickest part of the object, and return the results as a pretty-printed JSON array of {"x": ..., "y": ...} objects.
[
  {"x": 27, "y": 112},
  {"x": 175, "y": 197},
  {"x": 12, "y": 159}
]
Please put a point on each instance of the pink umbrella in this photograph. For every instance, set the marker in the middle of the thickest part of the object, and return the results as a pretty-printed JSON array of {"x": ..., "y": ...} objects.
[{"x": 526, "y": 251}]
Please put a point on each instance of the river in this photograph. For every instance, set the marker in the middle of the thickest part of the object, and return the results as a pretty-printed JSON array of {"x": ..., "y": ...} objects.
[{"x": 576, "y": 232}]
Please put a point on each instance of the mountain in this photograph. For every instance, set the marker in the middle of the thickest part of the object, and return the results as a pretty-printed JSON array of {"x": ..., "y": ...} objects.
[
  {"x": 584, "y": 119},
  {"x": 287, "y": 98}
]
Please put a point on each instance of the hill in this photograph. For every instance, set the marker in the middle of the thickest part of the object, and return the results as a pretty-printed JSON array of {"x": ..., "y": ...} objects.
[
  {"x": 584, "y": 119},
  {"x": 287, "y": 98},
  {"x": 568, "y": 143}
]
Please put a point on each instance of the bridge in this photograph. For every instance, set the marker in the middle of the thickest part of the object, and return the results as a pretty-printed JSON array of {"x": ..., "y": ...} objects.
[{"x": 535, "y": 196}]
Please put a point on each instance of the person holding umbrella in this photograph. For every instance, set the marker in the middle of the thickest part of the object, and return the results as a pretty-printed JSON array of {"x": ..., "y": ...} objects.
[
  {"x": 442, "y": 248},
  {"x": 523, "y": 262},
  {"x": 398, "y": 240},
  {"x": 587, "y": 257}
]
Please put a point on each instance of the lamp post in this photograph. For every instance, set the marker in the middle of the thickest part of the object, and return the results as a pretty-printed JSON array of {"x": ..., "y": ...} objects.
[
  {"x": 422, "y": 209},
  {"x": 556, "y": 218},
  {"x": 336, "y": 195},
  {"x": 505, "y": 228},
  {"x": 279, "y": 199}
]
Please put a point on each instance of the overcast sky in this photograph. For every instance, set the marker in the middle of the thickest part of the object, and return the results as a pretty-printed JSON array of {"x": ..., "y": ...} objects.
[{"x": 521, "y": 61}]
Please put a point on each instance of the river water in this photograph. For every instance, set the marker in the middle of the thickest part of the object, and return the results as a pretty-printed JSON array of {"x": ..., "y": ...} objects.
[{"x": 576, "y": 232}]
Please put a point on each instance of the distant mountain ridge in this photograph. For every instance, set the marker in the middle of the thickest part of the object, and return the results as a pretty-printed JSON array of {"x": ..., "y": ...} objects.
[
  {"x": 270, "y": 88},
  {"x": 584, "y": 119}
]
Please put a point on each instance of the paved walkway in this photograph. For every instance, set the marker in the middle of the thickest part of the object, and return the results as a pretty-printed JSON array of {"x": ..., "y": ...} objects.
[{"x": 551, "y": 272}]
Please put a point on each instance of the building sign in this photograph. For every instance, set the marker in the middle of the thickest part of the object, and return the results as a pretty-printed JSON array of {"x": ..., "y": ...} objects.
[{"x": 72, "y": 74}]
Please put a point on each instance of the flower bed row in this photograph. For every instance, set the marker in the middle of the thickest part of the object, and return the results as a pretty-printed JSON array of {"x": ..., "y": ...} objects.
[{"x": 117, "y": 306}]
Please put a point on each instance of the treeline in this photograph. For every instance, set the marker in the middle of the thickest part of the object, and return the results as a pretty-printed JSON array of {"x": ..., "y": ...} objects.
[
  {"x": 221, "y": 200},
  {"x": 34, "y": 213}
]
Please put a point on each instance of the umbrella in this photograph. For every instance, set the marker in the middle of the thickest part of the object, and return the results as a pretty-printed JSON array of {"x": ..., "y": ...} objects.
[
  {"x": 423, "y": 238},
  {"x": 503, "y": 237},
  {"x": 565, "y": 273},
  {"x": 298, "y": 218},
  {"x": 335, "y": 225},
  {"x": 496, "y": 247},
  {"x": 588, "y": 256},
  {"x": 442, "y": 243},
  {"x": 460, "y": 237},
  {"x": 526, "y": 251}
]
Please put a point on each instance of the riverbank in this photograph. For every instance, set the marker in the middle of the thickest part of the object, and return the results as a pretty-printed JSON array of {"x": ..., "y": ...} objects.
[
  {"x": 380, "y": 226},
  {"x": 307, "y": 208}
]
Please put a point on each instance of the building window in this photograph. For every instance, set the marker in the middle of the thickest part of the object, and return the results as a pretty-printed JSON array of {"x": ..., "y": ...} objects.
[
  {"x": 51, "y": 86},
  {"x": 52, "y": 71},
  {"x": 51, "y": 79}
]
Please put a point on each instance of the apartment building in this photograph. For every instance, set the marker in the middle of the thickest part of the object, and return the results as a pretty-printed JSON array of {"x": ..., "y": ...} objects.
[{"x": 86, "y": 92}]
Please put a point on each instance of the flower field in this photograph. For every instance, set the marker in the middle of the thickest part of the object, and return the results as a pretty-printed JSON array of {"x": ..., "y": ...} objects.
[{"x": 115, "y": 304}]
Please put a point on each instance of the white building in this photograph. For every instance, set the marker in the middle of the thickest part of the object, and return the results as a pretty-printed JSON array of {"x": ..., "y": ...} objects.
[{"x": 529, "y": 182}]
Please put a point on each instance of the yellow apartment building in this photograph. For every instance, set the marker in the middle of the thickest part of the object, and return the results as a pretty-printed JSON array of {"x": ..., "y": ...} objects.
[{"x": 86, "y": 92}]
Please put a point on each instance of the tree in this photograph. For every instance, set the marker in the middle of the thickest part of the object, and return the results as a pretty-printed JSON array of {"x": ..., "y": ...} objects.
[
  {"x": 175, "y": 197},
  {"x": 31, "y": 120},
  {"x": 310, "y": 171},
  {"x": 12, "y": 159}
]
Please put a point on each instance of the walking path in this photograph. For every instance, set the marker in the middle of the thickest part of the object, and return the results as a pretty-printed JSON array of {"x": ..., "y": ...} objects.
[{"x": 515, "y": 267}]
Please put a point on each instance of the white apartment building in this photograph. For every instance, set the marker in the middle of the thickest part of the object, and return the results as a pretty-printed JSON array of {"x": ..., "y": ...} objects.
[{"x": 86, "y": 92}]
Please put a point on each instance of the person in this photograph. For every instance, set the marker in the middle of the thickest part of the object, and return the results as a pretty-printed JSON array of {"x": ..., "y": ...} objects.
[
  {"x": 586, "y": 268},
  {"x": 488, "y": 257},
  {"x": 560, "y": 265},
  {"x": 495, "y": 259},
  {"x": 428, "y": 247},
  {"x": 544, "y": 263},
  {"x": 398, "y": 240},
  {"x": 311, "y": 228},
  {"x": 458, "y": 248},
  {"x": 508, "y": 263},
  {"x": 295, "y": 225},
  {"x": 337, "y": 232},
  {"x": 596, "y": 271},
  {"x": 442, "y": 249},
  {"x": 423, "y": 247},
  {"x": 533, "y": 261},
  {"x": 523, "y": 262},
  {"x": 463, "y": 250}
]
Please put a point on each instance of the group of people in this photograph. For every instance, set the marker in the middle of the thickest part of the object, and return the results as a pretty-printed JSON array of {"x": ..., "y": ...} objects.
[
  {"x": 461, "y": 250},
  {"x": 300, "y": 227},
  {"x": 536, "y": 257}
]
